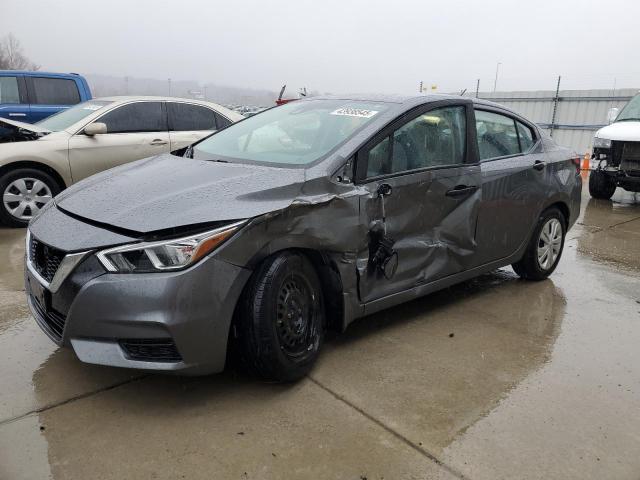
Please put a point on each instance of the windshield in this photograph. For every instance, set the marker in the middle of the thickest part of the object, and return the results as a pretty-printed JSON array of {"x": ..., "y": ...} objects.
[
  {"x": 631, "y": 110},
  {"x": 68, "y": 117},
  {"x": 297, "y": 133}
]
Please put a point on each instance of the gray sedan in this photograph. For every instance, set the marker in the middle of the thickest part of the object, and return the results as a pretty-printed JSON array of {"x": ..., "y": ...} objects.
[{"x": 300, "y": 219}]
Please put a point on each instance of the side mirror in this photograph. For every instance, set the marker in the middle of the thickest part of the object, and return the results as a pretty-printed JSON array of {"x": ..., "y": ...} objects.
[
  {"x": 95, "y": 128},
  {"x": 612, "y": 115}
]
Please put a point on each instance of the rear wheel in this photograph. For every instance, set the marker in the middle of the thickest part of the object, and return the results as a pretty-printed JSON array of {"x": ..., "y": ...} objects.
[
  {"x": 601, "y": 185},
  {"x": 280, "y": 326},
  {"x": 545, "y": 247},
  {"x": 24, "y": 192}
]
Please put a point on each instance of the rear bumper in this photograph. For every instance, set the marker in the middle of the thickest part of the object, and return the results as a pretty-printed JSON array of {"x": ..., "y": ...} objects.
[{"x": 192, "y": 309}]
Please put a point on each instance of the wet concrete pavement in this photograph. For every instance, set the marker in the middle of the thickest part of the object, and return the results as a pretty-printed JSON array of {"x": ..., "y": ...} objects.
[{"x": 494, "y": 378}]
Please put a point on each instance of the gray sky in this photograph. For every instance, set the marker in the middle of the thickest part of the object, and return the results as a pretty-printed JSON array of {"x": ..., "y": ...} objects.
[{"x": 338, "y": 46}]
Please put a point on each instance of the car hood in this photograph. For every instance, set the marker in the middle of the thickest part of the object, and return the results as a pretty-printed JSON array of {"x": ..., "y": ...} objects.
[
  {"x": 621, "y": 131},
  {"x": 26, "y": 126},
  {"x": 12, "y": 131},
  {"x": 167, "y": 192}
]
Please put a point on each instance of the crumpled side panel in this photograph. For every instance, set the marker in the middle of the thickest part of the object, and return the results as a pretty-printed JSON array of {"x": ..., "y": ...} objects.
[
  {"x": 434, "y": 234},
  {"x": 325, "y": 222}
]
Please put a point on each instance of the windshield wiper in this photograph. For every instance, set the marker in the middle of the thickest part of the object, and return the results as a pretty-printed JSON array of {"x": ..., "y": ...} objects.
[{"x": 630, "y": 119}]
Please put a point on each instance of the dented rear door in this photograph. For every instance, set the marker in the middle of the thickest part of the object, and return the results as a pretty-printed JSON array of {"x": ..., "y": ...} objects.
[{"x": 430, "y": 211}]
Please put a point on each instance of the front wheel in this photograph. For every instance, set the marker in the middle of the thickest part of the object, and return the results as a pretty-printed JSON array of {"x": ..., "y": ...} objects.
[
  {"x": 545, "y": 247},
  {"x": 24, "y": 192},
  {"x": 280, "y": 326},
  {"x": 601, "y": 185}
]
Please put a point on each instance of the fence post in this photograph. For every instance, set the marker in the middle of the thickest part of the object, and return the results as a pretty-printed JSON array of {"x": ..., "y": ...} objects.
[{"x": 555, "y": 107}]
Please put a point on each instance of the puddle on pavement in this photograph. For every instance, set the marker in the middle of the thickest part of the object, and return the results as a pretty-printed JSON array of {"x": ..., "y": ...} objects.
[{"x": 609, "y": 230}]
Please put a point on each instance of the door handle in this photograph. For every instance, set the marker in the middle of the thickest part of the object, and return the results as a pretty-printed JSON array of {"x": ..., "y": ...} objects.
[
  {"x": 158, "y": 141},
  {"x": 17, "y": 114},
  {"x": 538, "y": 165},
  {"x": 461, "y": 190}
]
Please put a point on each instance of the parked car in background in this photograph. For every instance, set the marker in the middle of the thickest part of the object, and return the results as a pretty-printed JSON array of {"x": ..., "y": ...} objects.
[
  {"x": 300, "y": 218},
  {"x": 32, "y": 96},
  {"x": 38, "y": 161},
  {"x": 616, "y": 152}
]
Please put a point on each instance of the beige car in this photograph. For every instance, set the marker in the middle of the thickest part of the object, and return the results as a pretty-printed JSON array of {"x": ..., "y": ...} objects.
[{"x": 38, "y": 161}]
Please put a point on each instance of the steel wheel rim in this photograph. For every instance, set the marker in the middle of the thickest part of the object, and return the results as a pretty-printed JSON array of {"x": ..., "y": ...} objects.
[
  {"x": 296, "y": 317},
  {"x": 549, "y": 243},
  {"x": 25, "y": 197}
]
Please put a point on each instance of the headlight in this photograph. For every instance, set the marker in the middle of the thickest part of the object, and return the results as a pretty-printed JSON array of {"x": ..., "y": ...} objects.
[
  {"x": 601, "y": 143},
  {"x": 165, "y": 255}
]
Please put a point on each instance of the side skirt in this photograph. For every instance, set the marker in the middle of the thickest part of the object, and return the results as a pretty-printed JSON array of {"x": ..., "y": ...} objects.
[{"x": 427, "y": 288}]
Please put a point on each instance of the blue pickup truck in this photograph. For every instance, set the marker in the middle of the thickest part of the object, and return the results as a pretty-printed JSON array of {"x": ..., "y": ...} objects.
[{"x": 31, "y": 96}]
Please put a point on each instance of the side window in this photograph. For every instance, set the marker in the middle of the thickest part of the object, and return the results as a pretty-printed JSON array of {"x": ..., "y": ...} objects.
[
  {"x": 378, "y": 159},
  {"x": 55, "y": 91},
  {"x": 497, "y": 136},
  {"x": 9, "y": 92},
  {"x": 222, "y": 122},
  {"x": 135, "y": 117},
  {"x": 527, "y": 139},
  {"x": 433, "y": 139},
  {"x": 187, "y": 117}
]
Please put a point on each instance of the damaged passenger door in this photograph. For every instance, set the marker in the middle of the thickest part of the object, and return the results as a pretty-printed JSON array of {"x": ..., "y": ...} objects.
[{"x": 423, "y": 185}]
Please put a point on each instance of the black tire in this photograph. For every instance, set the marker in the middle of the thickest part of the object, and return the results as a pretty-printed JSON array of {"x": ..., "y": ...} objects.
[
  {"x": 271, "y": 341},
  {"x": 601, "y": 185},
  {"x": 529, "y": 266},
  {"x": 8, "y": 178}
]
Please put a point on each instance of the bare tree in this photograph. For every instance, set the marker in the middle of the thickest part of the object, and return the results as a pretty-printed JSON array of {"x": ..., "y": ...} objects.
[{"x": 12, "y": 56}]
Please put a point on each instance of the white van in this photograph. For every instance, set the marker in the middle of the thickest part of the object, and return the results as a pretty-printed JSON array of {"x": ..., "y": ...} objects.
[{"x": 616, "y": 154}]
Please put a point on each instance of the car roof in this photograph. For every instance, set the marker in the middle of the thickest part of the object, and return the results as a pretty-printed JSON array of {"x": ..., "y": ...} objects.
[
  {"x": 38, "y": 73},
  {"x": 408, "y": 100},
  {"x": 133, "y": 98},
  {"x": 157, "y": 98}
]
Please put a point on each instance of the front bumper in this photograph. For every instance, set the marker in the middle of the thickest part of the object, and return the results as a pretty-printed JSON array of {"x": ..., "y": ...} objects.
[{"x": 100, "y": 312}]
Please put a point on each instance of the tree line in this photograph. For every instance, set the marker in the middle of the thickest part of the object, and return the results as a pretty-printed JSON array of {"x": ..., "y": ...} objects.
[{"x": 12, "y": 56}]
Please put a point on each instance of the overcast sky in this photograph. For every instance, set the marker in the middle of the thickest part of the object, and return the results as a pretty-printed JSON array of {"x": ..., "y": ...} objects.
[{"x": 338, "y": 45}]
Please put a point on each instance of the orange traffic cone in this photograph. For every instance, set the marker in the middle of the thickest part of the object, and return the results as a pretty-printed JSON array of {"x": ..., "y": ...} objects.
[{"x": 585, "y": 162}]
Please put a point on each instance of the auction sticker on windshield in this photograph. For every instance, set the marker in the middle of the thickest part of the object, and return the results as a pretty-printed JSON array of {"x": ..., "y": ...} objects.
[{"x": 354, "y": 112}]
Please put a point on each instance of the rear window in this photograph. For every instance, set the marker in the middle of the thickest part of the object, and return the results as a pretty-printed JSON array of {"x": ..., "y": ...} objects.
[
  {"x": 55, "y": 91},
  {"x": 9, "y": 90},
  {"x": 497, "y": 135},
  {"x": 221, "y": 121},
  {"x": 188, "y": 117}
]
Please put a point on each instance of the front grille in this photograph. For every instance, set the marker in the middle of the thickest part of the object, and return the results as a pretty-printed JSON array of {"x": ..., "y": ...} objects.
[
  {"x": 45, "y": 259},
  {"x": 54, "y": 321},
  {"x": 631, "y": 151},
  {"x": 151, "y": 349}
]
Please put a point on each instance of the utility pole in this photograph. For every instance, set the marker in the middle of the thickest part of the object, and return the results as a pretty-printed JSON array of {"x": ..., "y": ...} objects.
[
  {"x": 495, "y": 82},
  {"x": 169, "y": 82},
  {"x": 477, "y": 87},
  {"x": 420, "y": 86},
  {"x": 126, "y": 85},
  {"x": 556, "y": 99}
]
